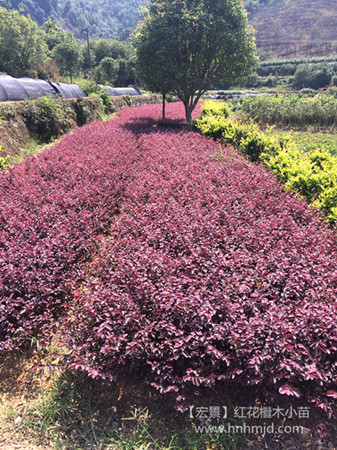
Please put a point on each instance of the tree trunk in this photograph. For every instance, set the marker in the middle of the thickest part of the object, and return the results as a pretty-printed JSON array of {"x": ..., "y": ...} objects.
[
  {"x": 164, "y": 100},
  {"x": 188, "y": 112}
]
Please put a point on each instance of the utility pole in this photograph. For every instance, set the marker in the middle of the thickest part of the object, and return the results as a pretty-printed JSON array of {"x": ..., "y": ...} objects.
[{"x": 87, "y": 31}]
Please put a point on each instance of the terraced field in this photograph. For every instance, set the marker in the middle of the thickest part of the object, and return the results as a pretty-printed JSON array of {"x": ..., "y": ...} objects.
[{"x": 289, "y": 28}]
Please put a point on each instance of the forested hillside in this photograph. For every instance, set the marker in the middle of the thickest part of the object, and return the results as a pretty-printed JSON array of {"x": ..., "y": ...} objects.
[
  {"x": 40, "y": 10},
  {"x": 285, "y": 28},
  {"x": 104, "y": 18}
]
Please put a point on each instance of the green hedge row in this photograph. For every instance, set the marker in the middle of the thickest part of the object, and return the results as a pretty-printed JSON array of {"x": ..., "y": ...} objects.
[
  {"x": 312, "y": 174},
  {"x": 291, "y": 110}
]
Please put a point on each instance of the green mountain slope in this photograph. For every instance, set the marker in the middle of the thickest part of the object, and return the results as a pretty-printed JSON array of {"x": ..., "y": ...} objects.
[
  {"x": 39, "y": 10},
  {"x": 104, "y": 18},
  {"x": 294, "y": 28},
  {"x": 286, "y": 28}
]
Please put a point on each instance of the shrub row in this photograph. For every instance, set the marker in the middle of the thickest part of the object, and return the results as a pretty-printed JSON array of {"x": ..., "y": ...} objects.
[
  {"x": 312, "y": 174},
  {"x": 299, "y": 61},
  {"x": 213, "y": 274},
  {"x": 51, "y": 209},
  {"x": 288, "y": 69},
  {"x": 291, "y": 110}
]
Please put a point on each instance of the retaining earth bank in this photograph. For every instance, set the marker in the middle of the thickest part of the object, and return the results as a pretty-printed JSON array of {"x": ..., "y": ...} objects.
[{"x": 15, "y": 132}]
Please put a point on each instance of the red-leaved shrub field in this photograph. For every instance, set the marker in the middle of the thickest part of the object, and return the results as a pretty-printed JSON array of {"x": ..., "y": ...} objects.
[{"x": 167, "y": 255}]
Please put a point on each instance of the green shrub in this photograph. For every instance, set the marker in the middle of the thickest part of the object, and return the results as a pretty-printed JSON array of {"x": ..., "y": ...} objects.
[
  {"x": 82, "y": 112},
  {"x": 253, "y": 81},
  {"x": 3, "y": 161},
  {"x": 6, "y": 112},
  {"x": 312, "y": 174},
  {"x": 170, "y": 98},
  {"x": 270, "y": 81},
  {"x": 306, "y": 77},
  {"x": 307, "y": 91},
  {"x": 302, "y": 77},
  {"x": 215, "y": 108},
  {"x": 99, "y": 101},
  {"x": 128, "y": 100},
  {"x": 320, "y": 79},
  {"x": 332, "y": 91},
  {"x": 47, "y": 117},
  {"x": 106, "y": 103},
  {"x": 247, "y": 137}
]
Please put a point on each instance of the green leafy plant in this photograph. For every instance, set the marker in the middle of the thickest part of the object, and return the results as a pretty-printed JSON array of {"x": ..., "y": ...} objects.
[
  {"x": 293, "y": 110},
  {"x": 307, "y": 91},
  {"x": 82, "y": 112},
  {"x": 99, "y": 101},
  {"x": 313, "y": 174},
  {"x": 101, "y": 95},
  {"x": 47, "y": 117},
  {"x": 245, "y": 136},
  {"x": 216, "y": 108},
  {"x": 128, "y": 100},
  {"x": 3, "y": 161},
  {"x": 6, "y": 111}
]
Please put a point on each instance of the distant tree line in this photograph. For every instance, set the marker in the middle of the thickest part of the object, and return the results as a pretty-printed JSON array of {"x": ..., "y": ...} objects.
[
  {"x": 299, "y": 73},
  {"x": 48, "y": 52},
  {"x": 289, "y": 66},
  {"x": 305, "y": 77},
  {"x": 299, "y": 61}
]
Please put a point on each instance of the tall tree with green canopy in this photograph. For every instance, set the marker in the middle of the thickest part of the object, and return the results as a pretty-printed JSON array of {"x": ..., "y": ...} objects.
[
  {"x": 67, "y": 55},
  {"x": 54, "y": 34},
  {"x": 109, "y": 67},
  {"x": 22, "y": 45},
  {"x": 184, "y": 46}
]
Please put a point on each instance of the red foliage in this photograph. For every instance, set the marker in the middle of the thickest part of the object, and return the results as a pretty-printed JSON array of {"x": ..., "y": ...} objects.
[
  {"x": 211, "y": 274},
  {"x": 51, "y": 209}
]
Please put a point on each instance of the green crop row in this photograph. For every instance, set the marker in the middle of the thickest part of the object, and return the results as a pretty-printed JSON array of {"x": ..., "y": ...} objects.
[
  {"x": 298, "y": 61},
  {"x": 312, "y": 174},
  {"x": 291, "y": 110}
]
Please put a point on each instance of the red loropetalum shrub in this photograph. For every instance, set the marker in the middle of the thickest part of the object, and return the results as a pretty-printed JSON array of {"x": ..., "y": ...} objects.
[
  {"x": 212, "y": 274},
  {"x": 51, "y": 209}
]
